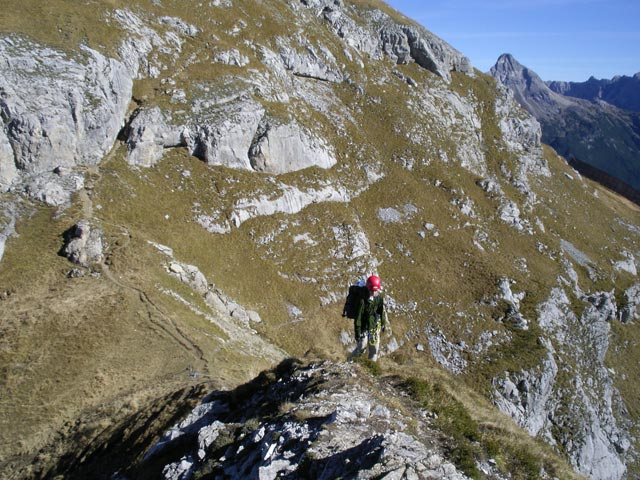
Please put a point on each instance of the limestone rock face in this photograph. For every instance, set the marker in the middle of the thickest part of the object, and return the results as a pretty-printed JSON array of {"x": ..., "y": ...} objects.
[
  {"x": 401, "y": 43},
  {"x": 225, "y": 139},
  {"x": 285, "y": 148},
  {"x": 408, "y": 43},
  {"x": 148, "y": 135},
  {"x": 538, "y": 403},
  {"x": 58, "y": 110}
]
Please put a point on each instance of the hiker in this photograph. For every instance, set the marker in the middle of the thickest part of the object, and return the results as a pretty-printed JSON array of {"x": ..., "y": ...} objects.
[{"x": 370, "y": 318}]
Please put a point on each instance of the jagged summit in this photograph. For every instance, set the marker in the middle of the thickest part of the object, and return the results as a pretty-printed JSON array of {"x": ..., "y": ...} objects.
[
  {"x": 506, "y": 67},
  {"x": 528, "y": 87}
]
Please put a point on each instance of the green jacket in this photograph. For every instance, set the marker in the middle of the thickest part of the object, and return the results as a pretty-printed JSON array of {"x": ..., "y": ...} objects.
[{"x": 370, "y": 312}]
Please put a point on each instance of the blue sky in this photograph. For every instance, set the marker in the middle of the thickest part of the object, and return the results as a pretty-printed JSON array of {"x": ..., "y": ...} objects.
[{"x": 567, "y": 40}]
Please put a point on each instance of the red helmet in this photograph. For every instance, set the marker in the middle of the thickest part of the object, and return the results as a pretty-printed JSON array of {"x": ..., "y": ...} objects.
[{"x": 373, "y": 283}]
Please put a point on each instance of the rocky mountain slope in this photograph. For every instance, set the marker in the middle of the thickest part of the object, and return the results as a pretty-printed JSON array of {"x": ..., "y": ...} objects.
[
  {"x": 187, "y": 189},
  {"x": 622, "y": 91},
  {"x": 591, "y": 130}
]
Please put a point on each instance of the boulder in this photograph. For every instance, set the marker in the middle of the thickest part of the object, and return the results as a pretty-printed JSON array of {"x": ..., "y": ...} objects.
[
  {"x": 83, "y": 244},
  {"x": 189, "y": 275}
]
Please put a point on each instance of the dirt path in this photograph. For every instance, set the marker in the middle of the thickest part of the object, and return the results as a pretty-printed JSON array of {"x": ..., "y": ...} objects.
[{"x": 162, "y": 321}]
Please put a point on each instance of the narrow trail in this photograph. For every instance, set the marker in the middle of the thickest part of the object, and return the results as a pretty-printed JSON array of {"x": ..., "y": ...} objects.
[
  {"x": 161, "y": 321},
  {"x": 168, "y": 326}
]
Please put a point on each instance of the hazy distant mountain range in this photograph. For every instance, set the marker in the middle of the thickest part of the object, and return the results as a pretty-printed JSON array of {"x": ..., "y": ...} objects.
[
  {"x": 621, "y": 91},
  {"x": 586, "y": 123}
]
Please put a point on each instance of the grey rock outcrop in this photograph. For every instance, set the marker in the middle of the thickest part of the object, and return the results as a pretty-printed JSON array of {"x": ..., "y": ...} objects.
[
  {"x": 224, "y": 135},
  {"x": 58, "y": 110},
  {"x": 401, "y": 43},
  {"x": 148, "y": 135},
  {"x": 138, "y": 49},
  {"x": 286, "y": 148},
  {"x": 53, "y": 188},
  {"x": 581, "y": 417},
  {"x": 630, "y": 310},
  {"x": 180, "y": 25},
  {"x": 292, "y": 200},
  {"x": 405, "y": 44},
  {"x": 337, "y": 431},
  {"x": 311, "y": 63},
  {"x": 230, "y": 316},
  {"x": 235, "y": 135},
  {"x": 83, "y": 244},
  {"x": 232, "y": 57},
  {"x": 513, "y": 315},
  {"x": 525, "y": 396}
]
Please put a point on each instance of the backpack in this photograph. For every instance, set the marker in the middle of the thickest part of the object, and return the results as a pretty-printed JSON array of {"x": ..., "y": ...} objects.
[{"x": 352, "y": 303}]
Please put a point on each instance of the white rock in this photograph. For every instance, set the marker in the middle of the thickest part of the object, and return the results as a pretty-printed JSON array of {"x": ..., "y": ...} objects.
[
  {"x": 286, "y": 148},
  {"x": 60, "y": 111},
  {"x": 84, "y": 244},
  {"x": 627, "y": 265}
]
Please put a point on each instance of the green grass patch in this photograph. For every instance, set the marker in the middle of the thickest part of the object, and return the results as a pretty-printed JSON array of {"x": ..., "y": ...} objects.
[
  {"x": 453, "y": 420},
  {"x": 471, "y": 441},
  {"x": 370, "y": 366}
]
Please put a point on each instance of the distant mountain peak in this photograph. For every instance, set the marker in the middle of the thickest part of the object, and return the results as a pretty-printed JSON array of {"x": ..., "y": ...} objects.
[
  {"x": 579, "y": 119},
  {"x": 507, "y": 63},
  {"x": 522, "y": 81},
  {"x": 507, "y": 58},
  {"x": 509, "y": 70}
]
